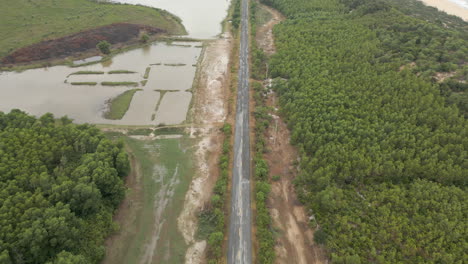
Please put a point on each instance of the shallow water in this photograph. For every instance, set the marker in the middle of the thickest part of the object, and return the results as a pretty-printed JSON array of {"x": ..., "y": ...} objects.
[
  {"x": 43, "y": 90},
  {"x": 173, "y": 108},
  {"x": 201, "y": 18},
  {"x": 87, "y": 60}
]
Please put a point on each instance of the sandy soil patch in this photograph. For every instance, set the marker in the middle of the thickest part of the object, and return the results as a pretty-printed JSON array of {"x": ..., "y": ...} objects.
[
  {"x": 209, "y": 109},
  {"x": 448, "y": 7},
  {"x": 264, "y": 35},
  {"x": 295, "y": 243}
]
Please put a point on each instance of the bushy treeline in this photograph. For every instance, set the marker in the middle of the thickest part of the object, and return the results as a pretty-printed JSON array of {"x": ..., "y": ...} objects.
[
  {"x": 59, "y": 186},
  {"x": 263, "y": 222},
  {"x": 212, "y": 223},
  {"x": 429, "y": 43},
  {"x": 384, "y": 160}
]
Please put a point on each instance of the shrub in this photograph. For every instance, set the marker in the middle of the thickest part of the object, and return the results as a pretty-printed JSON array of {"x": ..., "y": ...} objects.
[{"x": 104, "y": 47}]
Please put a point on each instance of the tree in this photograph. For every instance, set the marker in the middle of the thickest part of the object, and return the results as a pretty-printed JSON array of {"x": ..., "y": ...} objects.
[{"x": 104, "y": 47}]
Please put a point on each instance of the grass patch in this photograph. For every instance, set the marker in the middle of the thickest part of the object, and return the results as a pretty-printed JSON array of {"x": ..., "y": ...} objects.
[
  {"x": 156, "y": 64},
  {"x": 168, "y": 131},
  {"x": 119, "y": 105},
  {"x": 119, "y": 83},
  {"x": 143, "y": 83},
  {"x": 147, "y": 72},
  {"x": 84, "y": 83},
  {"x": 140, "y": 131},
  {"x": 86, "y": 72},
  {"x": 23, "y": 23},
  {"x": 174, "y": 64},
  {"x": 262, "y": 15},
  {"x": 166, "y": 167},
  {"x": 120, "y": 72}
]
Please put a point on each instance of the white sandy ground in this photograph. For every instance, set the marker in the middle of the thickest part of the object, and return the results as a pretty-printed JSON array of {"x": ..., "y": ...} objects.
[
  {"x": 448, "y": 7},
  {"x": 209, "y": 111}
]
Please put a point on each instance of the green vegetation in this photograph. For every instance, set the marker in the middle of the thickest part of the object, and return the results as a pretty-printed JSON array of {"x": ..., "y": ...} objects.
[
  {"x": 140, "y": 131},
  {"x": 51, "y": 20},
  {"x": 86, "y": 72},
  {"x": 104, "y": 47},
  {"x": 23, "y": 23},
  {"x": 263, "y": 221},
  {"x": 211, "y": 221},
  {"x": 383, "y": 157},
  {"x": 119, "y": 105},
  {"x": 121, "y": 72},
  {"x": 59, "y": 186},
  {"x": 147, "y": 72},
  {"x": 84, "y": 83},
  {"x": 145, "y": 38},
  {"x": 236, "y": 14},
  {"x": 168, "y": 131},
  {"x": 166, "y": 170},
  {"x": 144, "y": 82},
  {"x": 119, "y": 83},
  {"x": 174, "y": 64}
]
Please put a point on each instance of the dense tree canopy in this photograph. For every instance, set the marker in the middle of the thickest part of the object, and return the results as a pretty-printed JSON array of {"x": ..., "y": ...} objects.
[
  {"x": 384, "y": 161},
  {"x": 59, "y": 185}
]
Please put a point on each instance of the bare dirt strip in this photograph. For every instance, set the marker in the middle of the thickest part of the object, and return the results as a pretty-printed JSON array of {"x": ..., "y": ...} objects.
[
  {"x": 209, "y": 111},
  {"x": 295, "y": 242}
]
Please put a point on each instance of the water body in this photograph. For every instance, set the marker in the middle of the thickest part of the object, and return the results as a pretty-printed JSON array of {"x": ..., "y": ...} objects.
[
  {"x": 201, "y": 18},
  {"x": 43, "y": 90}
]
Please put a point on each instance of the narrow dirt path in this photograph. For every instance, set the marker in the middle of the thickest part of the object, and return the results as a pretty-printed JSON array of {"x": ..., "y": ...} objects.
[
  {"x": 295, "y": 244},
  {"x": 264, "y": 35},
  {"x": 208, "y": 114}
]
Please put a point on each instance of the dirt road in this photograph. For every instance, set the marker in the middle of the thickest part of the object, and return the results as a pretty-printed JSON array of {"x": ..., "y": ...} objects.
[{"x": 295, "y": 243}]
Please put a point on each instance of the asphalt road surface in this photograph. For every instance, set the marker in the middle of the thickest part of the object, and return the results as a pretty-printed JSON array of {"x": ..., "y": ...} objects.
[{"x": 240, "y": 233}]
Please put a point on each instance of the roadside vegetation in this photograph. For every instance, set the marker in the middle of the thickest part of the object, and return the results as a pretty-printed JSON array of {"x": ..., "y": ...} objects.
[
  {"x": 119, "y": 105},
  {"x": 383, "y": 152},
  {"x": 212, "y": 223},
  {"x": 23, "y": 23},
  {"x": 59, "y": 186},
  {"x": 263, "y": 221}
]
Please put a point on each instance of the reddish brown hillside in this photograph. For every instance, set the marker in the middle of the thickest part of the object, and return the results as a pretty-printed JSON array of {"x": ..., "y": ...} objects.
[{"x": 79, "y": 42}]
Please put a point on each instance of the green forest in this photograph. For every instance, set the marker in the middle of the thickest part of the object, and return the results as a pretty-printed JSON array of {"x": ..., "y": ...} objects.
[
  {"x": 59, "y": 186},
  {"x": 382, "y": 137}
]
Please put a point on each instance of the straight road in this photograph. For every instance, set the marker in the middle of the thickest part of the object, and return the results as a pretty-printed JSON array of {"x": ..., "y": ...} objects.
[{"x": 240, "y": 234}]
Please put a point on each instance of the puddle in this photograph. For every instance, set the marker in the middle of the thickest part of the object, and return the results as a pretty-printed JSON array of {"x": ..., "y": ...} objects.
[
  {"x": 43, "y": 90},
  {"x": 173, "y": 108},
  {"x": 201, "y": 18},
  {"x": 87, "y": 60}
]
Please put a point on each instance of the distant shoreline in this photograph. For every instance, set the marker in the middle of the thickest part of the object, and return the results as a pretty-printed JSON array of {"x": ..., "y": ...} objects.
[{"x": 448, "y": 7}]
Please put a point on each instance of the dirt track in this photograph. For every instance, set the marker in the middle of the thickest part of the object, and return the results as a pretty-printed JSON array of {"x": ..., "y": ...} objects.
[
  {"x": 209, "y": 110},
  {"x": 295, "y": 244},
  {"x": 79, "y": 42}
]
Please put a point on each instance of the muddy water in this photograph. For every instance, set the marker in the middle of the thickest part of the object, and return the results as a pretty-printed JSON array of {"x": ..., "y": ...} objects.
[
  {"x": 39, "y": 91},
  {"x": 173, "y": 108},
  {"x": 201, "y": 18}
]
